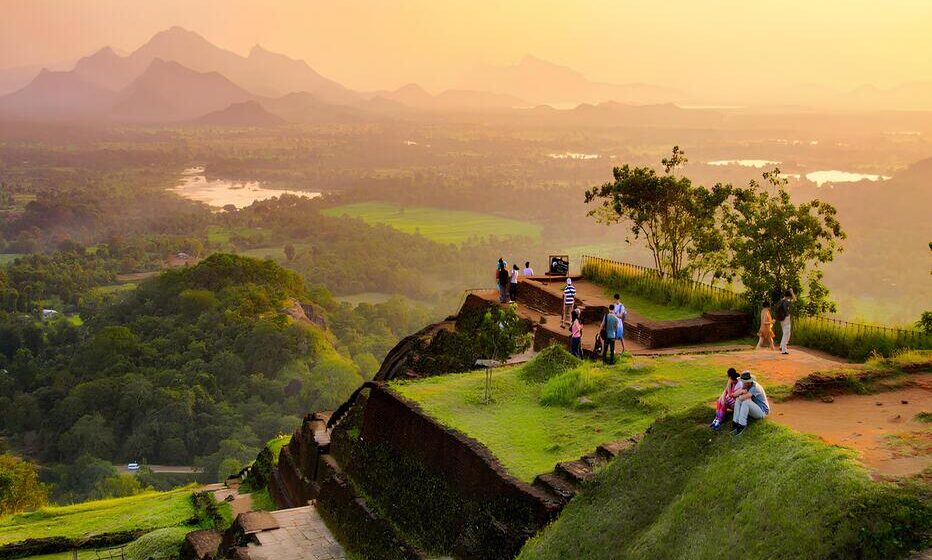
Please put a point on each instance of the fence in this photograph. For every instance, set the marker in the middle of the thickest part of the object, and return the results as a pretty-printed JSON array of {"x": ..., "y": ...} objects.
[
  {"x": 647, "y": 282},
  {"x": 850, "y": 340}
]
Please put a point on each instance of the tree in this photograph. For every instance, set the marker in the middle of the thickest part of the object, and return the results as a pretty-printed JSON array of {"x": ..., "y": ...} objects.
[
  {"x": 776, "y": 245},
  {"x": 502, "y": 334},
  {"x": 289, "y": 252},
  {"x": 676, "y": 219},
  {"x": 20, "y": 489}
]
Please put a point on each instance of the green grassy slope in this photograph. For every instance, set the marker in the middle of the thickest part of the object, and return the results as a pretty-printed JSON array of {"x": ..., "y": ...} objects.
[
  {"x": 529, "y": 437},
  {"x": 770, "y": 494},
  {"x": 149, "y": 510},
  {"x": 437, "y": 224}
]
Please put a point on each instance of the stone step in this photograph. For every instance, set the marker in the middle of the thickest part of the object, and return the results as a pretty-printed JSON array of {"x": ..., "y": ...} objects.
[
  {"x": 575, "y": 472},
  {"x": 556, "y": 485},
  {"x": 610, "y": 450},
  {"x": 593, "y": 460}
]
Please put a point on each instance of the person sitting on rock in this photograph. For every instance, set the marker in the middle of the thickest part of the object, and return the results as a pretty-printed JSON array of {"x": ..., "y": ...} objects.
[
  {"x": 750, "y": 402},
  {"x": 726, "y": 401}
]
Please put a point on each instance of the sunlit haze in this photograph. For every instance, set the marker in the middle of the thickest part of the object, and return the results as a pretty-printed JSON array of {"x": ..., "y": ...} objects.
[{"x": 724, "y": 48}]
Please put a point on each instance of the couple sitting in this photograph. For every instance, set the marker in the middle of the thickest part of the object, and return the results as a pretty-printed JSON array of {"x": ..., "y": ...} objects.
[{"x": 746, "y": 396}]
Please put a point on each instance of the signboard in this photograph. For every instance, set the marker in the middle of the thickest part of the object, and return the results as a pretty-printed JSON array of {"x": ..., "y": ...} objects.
[{"x": 559, "y": 265}]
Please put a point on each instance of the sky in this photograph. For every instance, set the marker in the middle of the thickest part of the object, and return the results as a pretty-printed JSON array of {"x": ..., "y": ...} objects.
[{"x": 714, "y": 45}]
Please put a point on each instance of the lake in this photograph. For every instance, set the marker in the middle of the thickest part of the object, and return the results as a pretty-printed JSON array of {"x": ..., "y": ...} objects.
[
  {"x": 573, "y": 155},
  {"x": 759, "y": 163},
  {"x": 220, "y": 192},
  {"x": 836, "y": 176}
]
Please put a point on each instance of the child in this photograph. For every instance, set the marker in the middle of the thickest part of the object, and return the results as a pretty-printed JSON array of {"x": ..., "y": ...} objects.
[
  {"x": 622, "y": 314},
  {"x": 726, "y": 400}
]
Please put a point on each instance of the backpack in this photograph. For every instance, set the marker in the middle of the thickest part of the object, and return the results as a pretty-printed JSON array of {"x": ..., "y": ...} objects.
[{"x": 783, "y": 310}]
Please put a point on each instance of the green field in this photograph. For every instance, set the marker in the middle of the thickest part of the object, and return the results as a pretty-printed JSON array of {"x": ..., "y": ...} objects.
[
  {"x": 438, "y": 224},
  {"x": 149, "y": 510},
  {"x": 7, "y": 258},
  {"x": 529, "y": 437}
]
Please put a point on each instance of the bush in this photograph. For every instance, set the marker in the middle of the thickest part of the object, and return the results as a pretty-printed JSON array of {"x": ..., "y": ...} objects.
[
  {"x": 157, "y": 545},
  {"x": 566, "y": 388},
  {"x": 552, "y": 360}
]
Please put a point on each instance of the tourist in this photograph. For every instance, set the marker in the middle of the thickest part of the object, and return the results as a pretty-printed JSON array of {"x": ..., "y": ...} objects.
[
  {"x": 502, "y": 278},
  {"x": 750, "y": 402},
  {"x": 609, "y": 327},
  {"x": 528, "y": 271},
  {"x": 569, "y": 300},
  {"x": 726, "y": 401},
  {"x": 783, "y": 315},
  {"x": 765, "y": 333},
  {"x": 622, "y": 313},
  {"x": 576, "y": 332},
  {"x": 513, "y": 287}
]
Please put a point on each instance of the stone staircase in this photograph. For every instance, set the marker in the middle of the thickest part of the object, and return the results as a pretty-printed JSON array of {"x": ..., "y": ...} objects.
[{"x": 567, "y": 477}]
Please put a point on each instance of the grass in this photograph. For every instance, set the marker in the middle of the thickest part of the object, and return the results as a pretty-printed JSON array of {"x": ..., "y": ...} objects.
[
  {"x": 772, "y": 493},
  {"x": 275, "y": 445},
  {"x": 7, "y": 258},
  {"x": 650, "y": 309},
  {"x": 529, "y": 437},
  {"x": 438, "y": 224},
  {"x": 149, "y": 510},
  {"x": 161, "y": 544},
  {"x": 262, "y": 501}
]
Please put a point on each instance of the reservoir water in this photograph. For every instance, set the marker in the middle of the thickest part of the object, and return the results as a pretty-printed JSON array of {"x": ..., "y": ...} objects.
[
  {"x": 836, "y": 176},
  {"x": 220, "y": 192}
]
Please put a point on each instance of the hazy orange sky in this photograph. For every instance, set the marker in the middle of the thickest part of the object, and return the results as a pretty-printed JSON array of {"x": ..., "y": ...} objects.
[{"x": 370, "y": 44}]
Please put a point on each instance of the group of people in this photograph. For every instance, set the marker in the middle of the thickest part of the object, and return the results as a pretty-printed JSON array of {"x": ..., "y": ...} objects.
[
  {"x": 611, "y": 327},
  {"x": 507, "y": 281},
  {"x": 766, "y": 334},
  {"x": 745, "y": 397}
]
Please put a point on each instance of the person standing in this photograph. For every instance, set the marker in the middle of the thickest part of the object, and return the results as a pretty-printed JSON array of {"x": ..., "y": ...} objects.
[
  {"x": 502, "y": 278},
  {"x": 622, "y": 313},
  {"x": 576, "y": 332},
  {"x": 569, "y": 300},
  {"x": 528, "y": 271},
  {"x": 750, "y": 402},
  {"x": 609, "y": 327},
  {"x": 783, "y": 315},
  {"x": 765, "y": 333},
  {"x": 513, "y": 285}
]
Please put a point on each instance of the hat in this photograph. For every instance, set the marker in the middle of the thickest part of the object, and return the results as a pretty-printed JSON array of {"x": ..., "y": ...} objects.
[
  {"x": 569, "y": 281},
  {"x": 746, "y": 376}
]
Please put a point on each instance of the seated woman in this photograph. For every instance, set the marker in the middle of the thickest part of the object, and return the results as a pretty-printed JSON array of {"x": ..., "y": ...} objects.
[
  {"x": 726, "y": 401},
  {"x": 751, "y": 402}
]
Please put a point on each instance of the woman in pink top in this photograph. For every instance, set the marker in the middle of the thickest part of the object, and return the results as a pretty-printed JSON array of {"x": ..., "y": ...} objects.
[
  {"x": 576, "y": 335},
  {"x": 726, "y": 401}
]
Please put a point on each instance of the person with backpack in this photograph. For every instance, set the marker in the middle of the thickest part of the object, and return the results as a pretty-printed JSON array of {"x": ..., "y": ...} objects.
[
  {"x": 501, "y": 277},
  {"x": 609, "y": 327},
  {"x": 622, "y": 314},
  {"x": 783, "y": 316}
]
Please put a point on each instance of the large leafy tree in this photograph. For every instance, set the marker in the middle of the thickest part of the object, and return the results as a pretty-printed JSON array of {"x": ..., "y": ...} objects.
[
  {"x": 776, "y": 244},
  {"x": 677, "y": 220}
]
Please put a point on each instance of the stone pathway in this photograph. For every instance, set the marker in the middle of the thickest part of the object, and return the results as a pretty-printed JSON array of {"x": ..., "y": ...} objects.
[{"x": 300, "y": 535}]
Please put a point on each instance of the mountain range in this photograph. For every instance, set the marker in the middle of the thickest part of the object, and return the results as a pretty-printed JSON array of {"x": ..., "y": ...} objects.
[{"x": 179, "y": 76}]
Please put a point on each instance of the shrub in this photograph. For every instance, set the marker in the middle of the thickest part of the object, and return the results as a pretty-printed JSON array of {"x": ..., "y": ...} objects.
[
  {"x": 157, "y": 545},
  {"x": 552, "y": 360},
  {"x": 566, "y": 388}
]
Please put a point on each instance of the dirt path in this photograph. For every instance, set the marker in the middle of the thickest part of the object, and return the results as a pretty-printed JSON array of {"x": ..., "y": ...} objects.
[
  {"x": 240, "y": 503},
  {"x": 882, "y": 428},
  {"x": 774, "y": 368}
]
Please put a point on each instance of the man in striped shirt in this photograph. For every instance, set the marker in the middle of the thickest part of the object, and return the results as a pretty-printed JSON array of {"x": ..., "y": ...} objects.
[{"x": 569, "y": 300}]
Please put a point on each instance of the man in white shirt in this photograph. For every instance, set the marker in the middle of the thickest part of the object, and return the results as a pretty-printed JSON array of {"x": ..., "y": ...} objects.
[{"x": 528, "y": 271}]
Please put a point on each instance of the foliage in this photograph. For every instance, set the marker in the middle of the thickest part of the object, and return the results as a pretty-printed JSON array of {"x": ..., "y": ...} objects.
[
  {"x": 778, "y": 245},
  {"x": 566, "y": 388},
  {"x": 925, "y": 322},
  {"x": 195, "y": 366},
  {"x": 676, "y": 219},
  {"x": 161, "y": 544},
  {"x": 660, "y": 497},
  {"x": 853, "y": 341},
  {"x": 502, "y": 333},
  {"x": 529, "y": 437},
  {"x": 552, "y": 360},
  {"x": 20, "y": 489}
]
